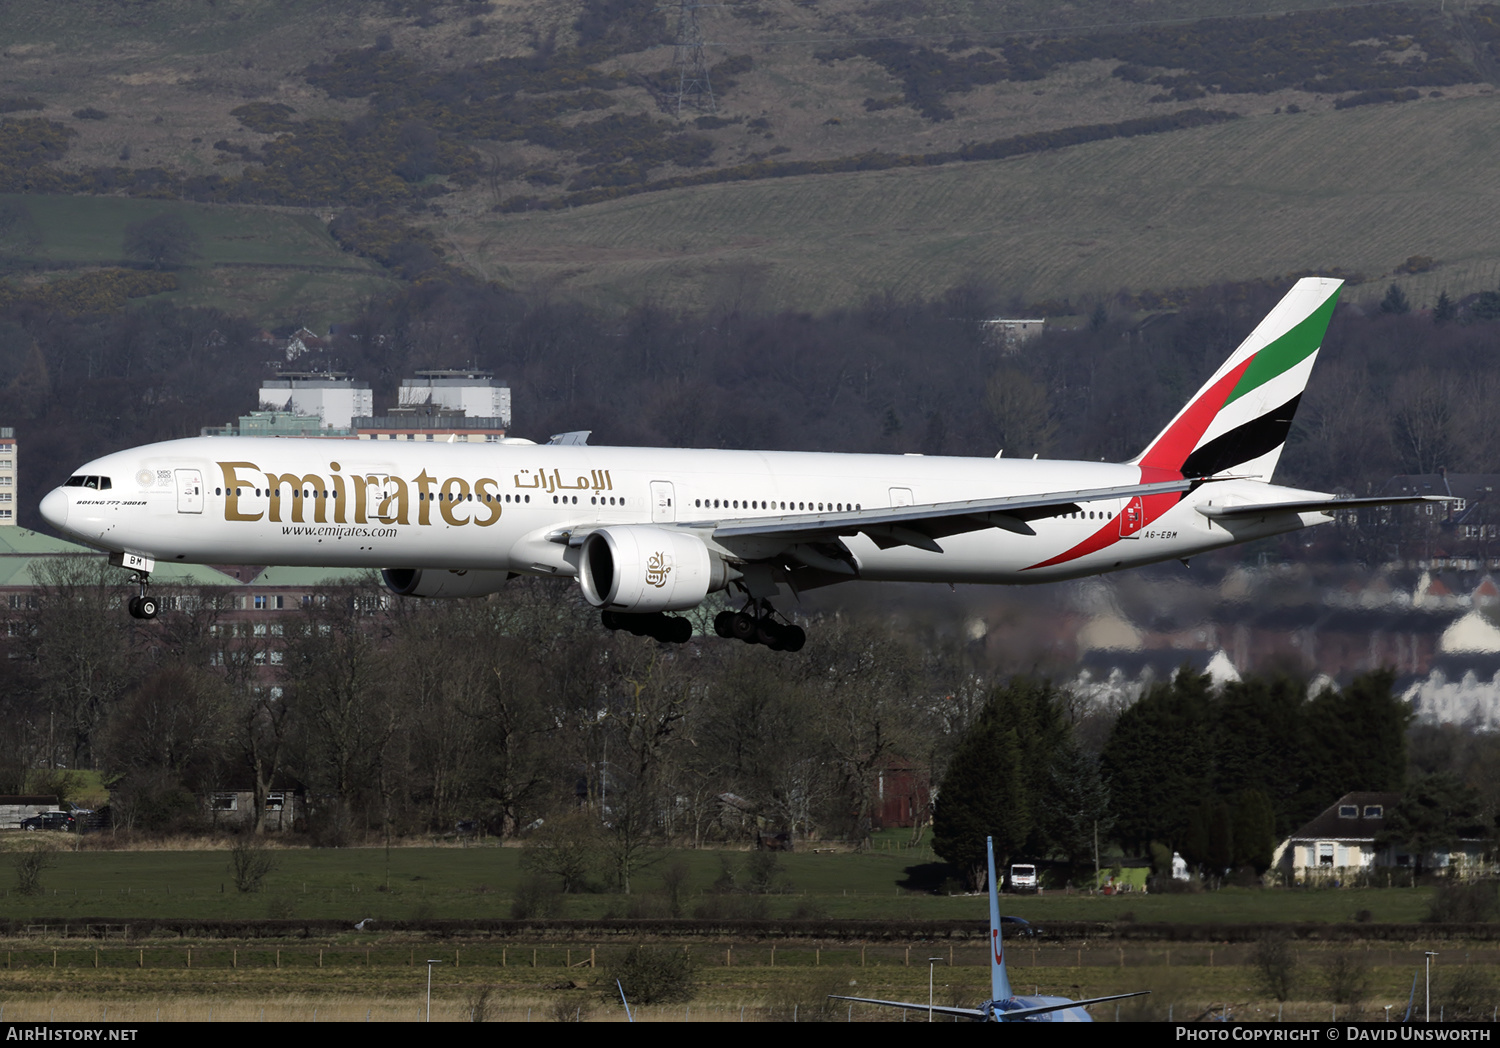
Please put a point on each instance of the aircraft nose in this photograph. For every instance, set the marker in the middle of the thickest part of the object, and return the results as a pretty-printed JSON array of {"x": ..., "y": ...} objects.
[{"x": 54, "y": 508}]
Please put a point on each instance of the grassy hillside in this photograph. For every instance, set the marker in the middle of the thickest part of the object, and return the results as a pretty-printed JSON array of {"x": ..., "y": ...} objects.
[
  {"x": 274, "y": 266},
  {"x": 404, "y": 106},
  {"x": 1360, "y": 189}
]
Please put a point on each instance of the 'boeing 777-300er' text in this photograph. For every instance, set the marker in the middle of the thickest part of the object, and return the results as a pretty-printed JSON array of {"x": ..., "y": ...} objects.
[{"x": 650, "y": 531}]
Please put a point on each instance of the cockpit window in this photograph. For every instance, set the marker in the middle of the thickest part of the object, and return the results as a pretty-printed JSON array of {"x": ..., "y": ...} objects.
[{"x": 97, "y": 483}]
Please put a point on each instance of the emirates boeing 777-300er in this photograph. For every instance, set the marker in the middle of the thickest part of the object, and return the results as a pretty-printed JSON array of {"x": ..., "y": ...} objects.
[{"x": 649, "y": 531}]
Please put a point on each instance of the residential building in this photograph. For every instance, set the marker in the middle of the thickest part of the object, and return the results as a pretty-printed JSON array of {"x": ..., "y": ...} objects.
[
  {"x": 1341, "y": 844},
  {"x": 8, "y": 480}
]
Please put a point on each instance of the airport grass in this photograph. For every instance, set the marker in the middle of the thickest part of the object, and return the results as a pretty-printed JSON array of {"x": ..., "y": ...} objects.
[
  {"x": 481, "y": 881},
  {"x": 729, "y": 984},
  {"x": 1359, "y": 189},
  {"x": 130, "y": 972}
]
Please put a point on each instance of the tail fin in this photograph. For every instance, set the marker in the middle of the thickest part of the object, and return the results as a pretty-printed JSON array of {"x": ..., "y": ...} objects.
[
  {"x": 1240, "y": 418},
  {"x": 999, "y": 981}
]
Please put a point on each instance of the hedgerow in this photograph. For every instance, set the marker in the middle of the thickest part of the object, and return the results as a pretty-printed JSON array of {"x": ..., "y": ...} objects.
[{"x": 101, "y": 291}]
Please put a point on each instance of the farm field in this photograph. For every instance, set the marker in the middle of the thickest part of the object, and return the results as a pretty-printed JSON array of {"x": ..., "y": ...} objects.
[
  {"x": 1246, "y": 199},
  {"x": 480, "y": 882}
]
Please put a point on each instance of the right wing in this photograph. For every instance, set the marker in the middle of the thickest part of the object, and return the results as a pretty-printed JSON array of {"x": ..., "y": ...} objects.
[{"x": 937, "y": 1009}]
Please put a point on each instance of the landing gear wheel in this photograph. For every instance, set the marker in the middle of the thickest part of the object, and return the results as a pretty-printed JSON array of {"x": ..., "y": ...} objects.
[
  {"x": 679, "y": 631},
  {"x": 770, "y": 635},
  {"x": 757, "y": 624},
  {"x": 744, "y": 627},
  {"x": 610, "y": 619},
  {"x": 142, "y": 606}
]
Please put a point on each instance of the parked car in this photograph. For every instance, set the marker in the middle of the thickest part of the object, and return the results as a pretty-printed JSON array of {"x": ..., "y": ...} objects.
[{"x": 51, "y": 820}]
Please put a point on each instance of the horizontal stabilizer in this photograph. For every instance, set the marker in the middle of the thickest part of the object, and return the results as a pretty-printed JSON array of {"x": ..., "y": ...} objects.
[{"x": 1329, "y": 505}]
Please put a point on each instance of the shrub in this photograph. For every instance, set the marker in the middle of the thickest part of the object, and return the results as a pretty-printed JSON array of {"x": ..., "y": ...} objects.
[
  {"x": 651, "y": 975},
  {"x": 536, "y": 897},
  {"x": 1464, "y": 903},
  {"x": 1348, "y": 978},
  {"x": 1275, "y": 963},
  {"x": 250, "y": 863},
  {"x": 1463, "y": 994},
  {"x": 31, "y": 861}
]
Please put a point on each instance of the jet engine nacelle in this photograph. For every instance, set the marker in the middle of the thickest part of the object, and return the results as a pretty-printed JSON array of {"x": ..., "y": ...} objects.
[
  {"x": 642, "y": 569},
  {"x": 439, "y": 582}
]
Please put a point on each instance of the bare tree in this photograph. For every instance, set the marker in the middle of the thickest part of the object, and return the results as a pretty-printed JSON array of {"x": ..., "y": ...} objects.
[{"x": 80, "y": 645}]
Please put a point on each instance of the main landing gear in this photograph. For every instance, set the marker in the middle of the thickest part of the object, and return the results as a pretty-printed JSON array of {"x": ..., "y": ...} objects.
[
  {"x": 756, "y": 625},
  {"x": 669, "y": 629},
  {"x": 143, "y": 606}
]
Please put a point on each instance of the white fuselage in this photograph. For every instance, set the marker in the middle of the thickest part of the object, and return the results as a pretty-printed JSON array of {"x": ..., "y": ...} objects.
[{"x": 501, "y": 507}]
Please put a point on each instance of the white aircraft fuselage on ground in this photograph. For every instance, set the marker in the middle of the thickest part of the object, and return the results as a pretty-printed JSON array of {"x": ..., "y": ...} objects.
[{"x": 649, "y": 531}]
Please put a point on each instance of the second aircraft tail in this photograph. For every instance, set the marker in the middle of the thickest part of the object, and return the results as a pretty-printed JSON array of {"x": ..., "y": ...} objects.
[{"x": 999, "y": 980}]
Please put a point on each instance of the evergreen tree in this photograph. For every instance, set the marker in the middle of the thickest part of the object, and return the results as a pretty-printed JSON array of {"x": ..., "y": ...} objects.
[
  {"x": 1359, "y": 736},
  {"x": 1255, "y": 833},
  {"x": 1158, "y": 762},
  {"x": 1259, "y": 743},
  {"x": 1209, "y": 841},
  {"x": 1075, "y": 805},
  {"x": 996, "y": 779},
  {"x": 1445, "y": 311},
  {"x": 1395, "y": 301},
  {"x": 1433, "y": 815}
]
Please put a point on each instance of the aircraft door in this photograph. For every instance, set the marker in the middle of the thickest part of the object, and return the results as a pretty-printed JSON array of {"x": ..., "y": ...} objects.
[
  {"x": 1131, "y": 518},
  {"x": 378, "y": 488},
  {"x": 901, "y": 497},
  {"x": 663, "y": 511},
  {"x": 189, "y": 491}
]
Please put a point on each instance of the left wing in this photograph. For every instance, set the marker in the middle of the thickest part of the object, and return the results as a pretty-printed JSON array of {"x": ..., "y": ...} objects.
[
  {"x": 1041, "y": 1009},
  {"x": 921, "y": 526}
]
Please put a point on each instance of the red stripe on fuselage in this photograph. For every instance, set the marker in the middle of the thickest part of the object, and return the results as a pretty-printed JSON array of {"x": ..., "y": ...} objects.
[
  {"x": 1152, "y": 507},
  {"x": 1163, "y": 461}
]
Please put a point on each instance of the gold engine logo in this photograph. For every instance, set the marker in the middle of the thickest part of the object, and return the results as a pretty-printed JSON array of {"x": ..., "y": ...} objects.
[{"x": 657, "y": 570}]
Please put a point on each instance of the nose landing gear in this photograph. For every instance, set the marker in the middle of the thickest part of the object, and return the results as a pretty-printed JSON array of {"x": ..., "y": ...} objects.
[{"x": 756, "y": 625}]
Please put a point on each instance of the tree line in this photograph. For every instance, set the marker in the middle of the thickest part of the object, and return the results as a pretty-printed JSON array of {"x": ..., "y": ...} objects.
[
  {"x": 408, "y": 716},
  {"x": 519, "y": 713},
  {"x": 1218, "y": 774}
]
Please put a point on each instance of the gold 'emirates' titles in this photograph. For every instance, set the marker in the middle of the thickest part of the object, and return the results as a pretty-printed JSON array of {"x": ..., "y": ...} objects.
[{"x": 457, "y": 502}]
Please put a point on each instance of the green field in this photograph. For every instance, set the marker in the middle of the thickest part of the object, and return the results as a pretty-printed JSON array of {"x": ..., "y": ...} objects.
[
  {"x": 1360, "y": 189},
  {"x": 272, "y": 265},
  {"x": 121, "y": 970},
  {"x": 481, "y": 881}
]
